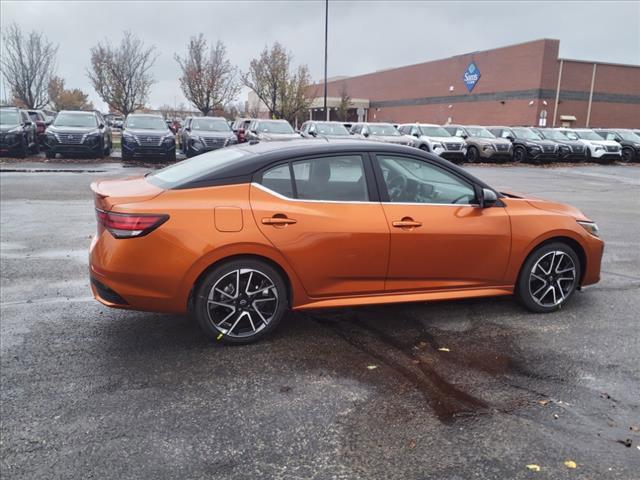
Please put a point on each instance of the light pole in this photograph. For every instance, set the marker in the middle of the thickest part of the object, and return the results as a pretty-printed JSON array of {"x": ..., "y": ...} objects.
[{"x": 326, "y": 35}]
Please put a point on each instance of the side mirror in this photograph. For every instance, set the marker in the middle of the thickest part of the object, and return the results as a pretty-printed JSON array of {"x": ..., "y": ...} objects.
[
  {"x": 416, "y": 134},
  {"x": 365, "y": 134},
  {"x": 488, "y": 198},
  {"x": 101, "y": 126},
  {"x": 510, "y": 138},
  {"x": 464, "y": 136},
  {"x": 28, "y": 123}
]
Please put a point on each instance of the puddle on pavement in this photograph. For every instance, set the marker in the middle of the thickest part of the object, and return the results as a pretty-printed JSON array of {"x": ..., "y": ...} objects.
[{"x": 436, "y": 362}]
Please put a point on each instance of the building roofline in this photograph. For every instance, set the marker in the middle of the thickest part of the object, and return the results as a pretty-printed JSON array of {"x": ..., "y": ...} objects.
[{"x": 591, "y": 62}]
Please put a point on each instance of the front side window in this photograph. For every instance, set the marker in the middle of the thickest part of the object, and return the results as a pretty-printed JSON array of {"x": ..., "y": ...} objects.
[{"x": 415, "y": 181}]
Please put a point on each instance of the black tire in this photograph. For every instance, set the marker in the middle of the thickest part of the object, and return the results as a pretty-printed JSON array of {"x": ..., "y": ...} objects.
[
  {"x": 187, "y": 152},
  {"x": 529, "y": 289},
  {"x": 50, "y": 154},
  {"x": 223, "y": 279},
  {"x": 100, "y": 153},
  {"x": 473, "y": 155},
  {"x": 126, "y": 156},
  {"x": 23, "y": 151},
  {"x": 36, "y": 148},
  {"x": 107, "y": 151},
  {"x": 519, "y": 155},
  {"x": 172, "y": 156},
  {"x": 587, "y": 156},
  {"x": 627, "y": 155}
]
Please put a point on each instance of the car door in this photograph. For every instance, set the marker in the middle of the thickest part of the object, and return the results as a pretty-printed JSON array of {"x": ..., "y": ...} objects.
[
  {"x": 440, "y": 238},
  {"x": 324, "y": 216}
]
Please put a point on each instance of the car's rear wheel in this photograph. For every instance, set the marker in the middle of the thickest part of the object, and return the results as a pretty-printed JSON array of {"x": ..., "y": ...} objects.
[
  {"x": 240, "y": 301},
  {"x": 549, "y": 277}
]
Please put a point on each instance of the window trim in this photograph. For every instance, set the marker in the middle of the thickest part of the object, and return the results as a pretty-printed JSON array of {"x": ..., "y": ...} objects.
[
  {"x": 384, "y": 193},
  {"x": 372, "y": 189}
]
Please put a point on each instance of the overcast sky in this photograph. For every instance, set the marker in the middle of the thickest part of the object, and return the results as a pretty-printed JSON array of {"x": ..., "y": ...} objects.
[{"x": 364, "y": 36}]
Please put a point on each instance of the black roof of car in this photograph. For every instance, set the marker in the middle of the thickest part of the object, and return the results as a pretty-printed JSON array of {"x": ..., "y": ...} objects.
[{"x": 264, "y": 154}]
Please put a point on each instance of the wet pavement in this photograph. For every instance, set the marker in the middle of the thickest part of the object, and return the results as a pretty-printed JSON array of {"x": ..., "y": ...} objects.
[{"x": 452, "y": 390}]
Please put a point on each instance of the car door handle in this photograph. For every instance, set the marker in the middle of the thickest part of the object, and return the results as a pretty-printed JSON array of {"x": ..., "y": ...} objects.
[
  {"x": 406, "y": 222},
  {"x": 278, "y": 221}
]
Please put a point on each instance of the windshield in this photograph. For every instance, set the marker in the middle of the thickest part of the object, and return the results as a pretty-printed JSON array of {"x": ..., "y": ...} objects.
[
  {"x": 274, "y": 127},
  {"x": 554, "y": 135},
  {"x": 210, "y": 124},
  {"x": 479, "y": 132},
  {"x": 434, "y": 131},
  {"x": 383, "y": 129},
  {"x": 588, "y": 135},
  {"x": 188, "y": 170},
  {"x": 526, "y": 134},
  {"x": 145, "y": 122},
  {"x": 628, "y": 135},
  {"x": 9, "y": 117},
  {"x": 326, "y": 128},
  {"x": 75, "y": 120}
]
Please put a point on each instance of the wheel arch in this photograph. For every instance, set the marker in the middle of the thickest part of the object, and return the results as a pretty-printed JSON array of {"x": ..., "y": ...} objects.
[
  {"x": 569, "y": 241},
  {"x": 292, "y": 286}
]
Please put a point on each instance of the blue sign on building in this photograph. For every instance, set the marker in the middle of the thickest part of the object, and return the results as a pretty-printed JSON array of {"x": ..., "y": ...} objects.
[{"x": 471, "y": 76}]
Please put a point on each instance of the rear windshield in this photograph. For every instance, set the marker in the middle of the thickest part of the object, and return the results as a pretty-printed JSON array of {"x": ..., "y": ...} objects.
[{"x": 189, "y": 170}]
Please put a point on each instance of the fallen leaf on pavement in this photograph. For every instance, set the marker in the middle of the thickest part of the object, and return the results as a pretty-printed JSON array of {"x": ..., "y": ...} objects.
[
  {"x": 570, "y": 464},
  {"x": 543, "y": 402},
  {"x": 533, "y": 467},
  {"x": 444, "y": 349},
  {"x": 372, "y": 367}
]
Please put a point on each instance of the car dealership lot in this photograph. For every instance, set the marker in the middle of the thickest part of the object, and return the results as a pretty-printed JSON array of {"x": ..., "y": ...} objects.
[{"x": 479, "y": 388}]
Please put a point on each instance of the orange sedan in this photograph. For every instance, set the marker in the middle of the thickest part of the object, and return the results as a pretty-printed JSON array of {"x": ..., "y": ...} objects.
[{"x": 240, "y": 235}]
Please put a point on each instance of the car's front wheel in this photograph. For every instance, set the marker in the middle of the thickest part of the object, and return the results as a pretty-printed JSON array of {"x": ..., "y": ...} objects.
[
  {"x": 473, "y": 154},
  {"x": 519, "y": 155},
  {"x": 627, "y": 155},
  {"x": 240, "y": 301},
  {"x": 548, "y": 278}
]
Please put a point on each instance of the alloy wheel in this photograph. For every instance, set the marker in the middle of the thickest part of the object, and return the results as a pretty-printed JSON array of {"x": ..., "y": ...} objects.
[
  {"x": 242, "y": 302},
  {"x": 552, "y": 278}
]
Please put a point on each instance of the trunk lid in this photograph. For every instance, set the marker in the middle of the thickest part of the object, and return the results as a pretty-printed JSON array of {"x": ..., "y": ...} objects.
[{"x": 109, "y": 193}]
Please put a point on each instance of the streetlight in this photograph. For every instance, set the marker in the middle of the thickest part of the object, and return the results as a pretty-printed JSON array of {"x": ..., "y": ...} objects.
[{"x": 326, "y": 34}]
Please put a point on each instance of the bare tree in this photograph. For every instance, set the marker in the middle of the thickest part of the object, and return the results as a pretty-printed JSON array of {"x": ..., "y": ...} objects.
[
  {"x": 61, "y": 98},
  {"x": 345, "y": 103},
  {"x": 28, "y": 63},
  {"x": 284, "y": 92},
  {"x": 208, "y": 79},
  {"x": 122, "y": 75}
]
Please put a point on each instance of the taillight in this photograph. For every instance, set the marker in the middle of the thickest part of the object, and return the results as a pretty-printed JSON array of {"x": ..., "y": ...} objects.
[{"x": 129, "y": 225}]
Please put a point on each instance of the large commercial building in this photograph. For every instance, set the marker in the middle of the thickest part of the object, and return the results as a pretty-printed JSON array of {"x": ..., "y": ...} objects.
[{"x": 524, "y": 84}]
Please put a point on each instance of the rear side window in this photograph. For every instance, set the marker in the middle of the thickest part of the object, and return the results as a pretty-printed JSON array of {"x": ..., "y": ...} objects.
[
  {"x": 338, "y": 178},
  {"x": 331, "y": 178}
]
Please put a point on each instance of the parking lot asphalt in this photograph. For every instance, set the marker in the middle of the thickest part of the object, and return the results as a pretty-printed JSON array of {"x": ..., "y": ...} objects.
[{"x": 452, "y": 390}]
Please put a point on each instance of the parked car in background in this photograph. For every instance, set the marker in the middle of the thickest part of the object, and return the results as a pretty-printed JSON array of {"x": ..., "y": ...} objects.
[
  {"x": 39, "y": 120},
  {"x": 76, "y": 132},
  {"x": 203, "y": 134},
  {"x": 270, "y": 131},
  {"x": 314, "y": 128},
  {"x": 147, "y": 135},
  {"x": 482, "y": 145},
  {"x": 240, "y": 127},
  {"x": 17, "y": 132},
  {"x": 527, "y": 144},
  {"x": 380, "y": 132},
  {"x": 574, "y": 150},
  {"x": 327, "y": 224},
  {"x": 434, "y": 138},
  {"x": 628, "y": 140},
  {"x": 598, "y": 149}
]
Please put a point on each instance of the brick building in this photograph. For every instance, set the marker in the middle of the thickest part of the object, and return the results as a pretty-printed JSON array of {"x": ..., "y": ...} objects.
[{"x": 524, "y": 84}]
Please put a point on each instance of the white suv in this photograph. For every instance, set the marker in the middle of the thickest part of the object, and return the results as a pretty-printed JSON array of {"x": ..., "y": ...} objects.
[
  {"x": 597, "y": 148},
  {"x": 434, "y": 138}
]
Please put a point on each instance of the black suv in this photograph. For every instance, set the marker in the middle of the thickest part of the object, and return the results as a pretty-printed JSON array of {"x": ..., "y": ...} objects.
[
  {"x": 75, "y": 132},
  {"x": 203, "y": 134},
  {"x": 147, "y": 135},
  {"x": 576, "y": 151},
  {"x": 528, "y": 145},
  {"x": 17, "y": 132},
  {"x": 629, "y": 140}
]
